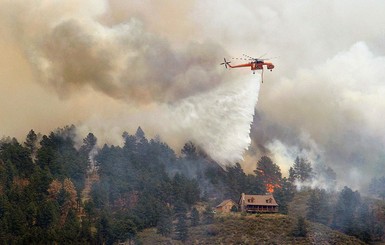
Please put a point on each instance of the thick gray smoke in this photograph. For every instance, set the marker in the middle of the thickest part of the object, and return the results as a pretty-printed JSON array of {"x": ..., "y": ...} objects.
[
  {"x": 73, "y": 50},
  {"x": 124, "y": 63},
  {"x": 330, "y": 114},
  {"x": 123, "y": 75},
  {"x": 324, "y": 100}
]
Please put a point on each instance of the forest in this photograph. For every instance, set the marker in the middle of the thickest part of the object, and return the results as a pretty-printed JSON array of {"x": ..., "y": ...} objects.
[{"x": 55, "y": 190}]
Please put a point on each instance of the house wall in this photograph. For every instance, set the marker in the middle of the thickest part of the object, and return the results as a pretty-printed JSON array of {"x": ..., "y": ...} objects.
[
  {"x": 261, "y": 209},
  {"x": 226, "y": 208}
]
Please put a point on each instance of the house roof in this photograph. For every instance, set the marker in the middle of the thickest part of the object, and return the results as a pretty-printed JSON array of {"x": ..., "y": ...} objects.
[
  {"x": 225, "y": 202},
  {"x": 265, "y": 200}
]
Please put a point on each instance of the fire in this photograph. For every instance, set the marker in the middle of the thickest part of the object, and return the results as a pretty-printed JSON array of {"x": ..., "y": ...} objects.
[{"x": 270, "y": 187}]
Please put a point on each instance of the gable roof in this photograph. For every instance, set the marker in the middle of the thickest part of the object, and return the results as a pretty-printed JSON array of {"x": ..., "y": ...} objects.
[
  {"x": 225, "y": 202},
  {"x": 263, "y": 200}
]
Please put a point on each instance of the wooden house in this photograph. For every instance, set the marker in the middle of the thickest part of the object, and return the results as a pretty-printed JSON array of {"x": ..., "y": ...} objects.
[
  {"x": 226, "y": 206},
  {"x": 258, "y": 203}
]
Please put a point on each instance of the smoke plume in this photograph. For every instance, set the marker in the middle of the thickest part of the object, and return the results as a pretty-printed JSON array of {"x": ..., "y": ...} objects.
[
  {"x": 112, "y": 65},
  {"x": 172, "y": 89},
  {"x": 125, "y": 61},
  {"x": 324, "y": 98}
]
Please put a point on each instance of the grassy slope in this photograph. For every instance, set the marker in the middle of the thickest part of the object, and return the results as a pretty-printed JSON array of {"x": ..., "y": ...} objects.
[{"x": 252, "y": 229}]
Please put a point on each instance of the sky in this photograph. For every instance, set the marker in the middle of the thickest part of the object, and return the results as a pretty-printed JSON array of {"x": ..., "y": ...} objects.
[{"x": 109, "y": 66}]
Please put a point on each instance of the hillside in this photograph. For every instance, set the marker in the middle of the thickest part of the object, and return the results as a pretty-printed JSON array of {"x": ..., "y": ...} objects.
[
  {"x": 252, "y": 229},
  {"x": 144, "y": 187}
]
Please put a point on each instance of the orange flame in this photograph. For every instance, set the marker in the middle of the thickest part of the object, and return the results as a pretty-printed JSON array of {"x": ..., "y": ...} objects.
[{"x": 270, "y": 187}]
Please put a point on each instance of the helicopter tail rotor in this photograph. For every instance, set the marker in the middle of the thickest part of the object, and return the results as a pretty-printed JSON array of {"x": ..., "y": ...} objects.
[{"x": 225, "y": 63}]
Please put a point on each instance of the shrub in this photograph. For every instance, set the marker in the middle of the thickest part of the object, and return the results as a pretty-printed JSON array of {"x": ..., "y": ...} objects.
[{"x": 212, "y": 231}]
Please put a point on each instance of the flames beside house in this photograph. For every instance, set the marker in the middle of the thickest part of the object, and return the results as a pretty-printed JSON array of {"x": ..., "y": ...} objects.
[
  {"x": 250, "y": 204},
  {"x": 258, "y": 203},
  {"x": 271, "y": 187}
]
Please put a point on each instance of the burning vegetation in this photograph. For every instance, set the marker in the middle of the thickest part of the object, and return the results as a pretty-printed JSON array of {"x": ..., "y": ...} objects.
[{"x": 145, "y": 184}]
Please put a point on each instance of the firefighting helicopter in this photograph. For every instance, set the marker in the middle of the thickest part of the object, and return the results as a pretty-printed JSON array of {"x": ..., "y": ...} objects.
[{"x": 254, "y": 64}]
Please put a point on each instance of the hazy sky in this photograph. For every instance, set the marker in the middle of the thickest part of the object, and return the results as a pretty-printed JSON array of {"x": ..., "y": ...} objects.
[{"x": 111, "y": 66}]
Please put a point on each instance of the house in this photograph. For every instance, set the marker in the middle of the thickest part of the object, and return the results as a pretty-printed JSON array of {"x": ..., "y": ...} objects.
[
  {"x": 226, "y": 206},
  {"x": 258, "y": 203}
]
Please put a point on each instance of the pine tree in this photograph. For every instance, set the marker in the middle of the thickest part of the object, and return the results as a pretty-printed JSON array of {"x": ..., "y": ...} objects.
[
  {"x": 300, "y": 230},
  {"x": 181, "y": 228},
  {"x": 269, "y": 173},
  {"x": 301, "y": 170},
  {"x": 189, "y": 151},
  {"x": 139, "y": 133},
  {"x": 284, "y": 194},
  {"x": 164, "y": 226},
  {"x": 208, "y": 216},
  {"x": 124, "y": 229},
  {"x": 345, "y": 210},
  {"x": 312, "y": 207},
  {"x": 318, "y": 208},
  {"x": 377, "y": 187},
  {"x": 195, "y": 218},
  {"x": 104, "y": 232},
  {"x": 31, "y": 143}
]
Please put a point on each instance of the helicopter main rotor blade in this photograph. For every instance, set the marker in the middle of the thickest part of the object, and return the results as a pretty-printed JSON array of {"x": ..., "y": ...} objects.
[
  {"x": 239, "y": 59},
  {"x": 250, "y": 58}
]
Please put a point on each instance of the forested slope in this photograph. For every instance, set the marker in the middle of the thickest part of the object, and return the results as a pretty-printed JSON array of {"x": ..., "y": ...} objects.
[{"x": 55, "y": 189}]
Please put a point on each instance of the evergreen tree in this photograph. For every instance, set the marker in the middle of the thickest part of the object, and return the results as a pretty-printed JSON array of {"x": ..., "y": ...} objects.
[
  {"x": 48, "y": 215},
  {"x": 85, "y": 234},
  {"x": 139, "y": 133},
  {"x": 89, "y": 143},
  {"x": 31, "y": 143},
  {"x": 189, "y": 151},
  {"x": 318, "y": 208},
  {"x": 236, "y": 180},
  {"x": 301, "y": 170},
  {"x": 69, "y": 232},
  {"x": 88, "y": 150},
  {"x": 234, "y": 209},
  {"x": 377, "y": 187},
  {"x": 185, "y": 190},
  {"x": 345, "y": 210},
  {"x": 269, "y": 173},
  {"x": 284, "y": 194},
  {"x": 365, "y": 221},
  {"x": 300, "y": 230},
  {"x": 104, "y": 232},
  {"x": 208, "y": 216},
  {"x": 164, "y": 226},
  {"x": 195, "y": 217},
  {"x": 124, "y": 229},
  {"x": 181, "y": 228},
  {"x": 312, "y": 207},
  {"x": 17, "y": 158}
]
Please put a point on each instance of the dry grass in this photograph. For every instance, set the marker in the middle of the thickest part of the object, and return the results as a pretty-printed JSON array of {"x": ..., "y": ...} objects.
[{"x": 253, "y": 229}]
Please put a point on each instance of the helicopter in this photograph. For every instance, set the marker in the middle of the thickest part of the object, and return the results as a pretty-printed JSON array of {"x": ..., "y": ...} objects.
[{"x": 254, "y": 64}]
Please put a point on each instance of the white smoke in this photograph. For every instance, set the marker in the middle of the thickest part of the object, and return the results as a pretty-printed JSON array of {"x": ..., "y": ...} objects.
[{"x": 285, "y": 155}]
